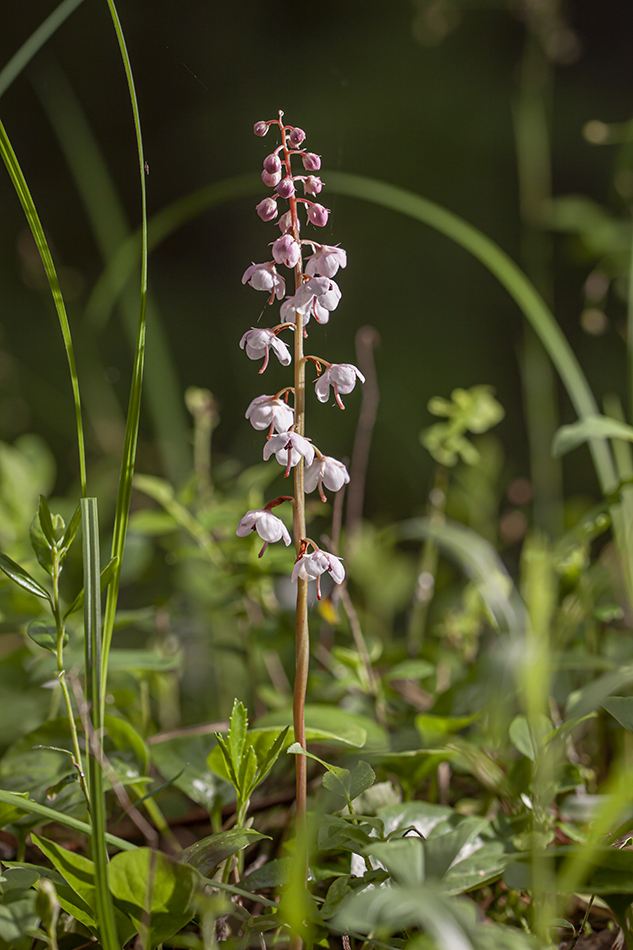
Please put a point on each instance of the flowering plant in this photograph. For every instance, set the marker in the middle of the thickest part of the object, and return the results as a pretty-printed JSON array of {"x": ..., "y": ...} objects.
[{"x": 317, "y": 295}]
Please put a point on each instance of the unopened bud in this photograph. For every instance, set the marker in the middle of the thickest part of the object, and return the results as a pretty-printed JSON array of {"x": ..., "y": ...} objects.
[
  {"x": 311, "y": 162},
  {"x": 318, "y": 215},
  {"x": 296, "y": 136},
  {"x": 272, "y": 164},
  {"x": 312, "y": 185},
  {"x": 271, "y": 178},
  {"x": 285, "y": 222},
  {"x": 260, "y": 128},
  {"x": 267, "y": 209},
  {"x": 286, "y": 187}
]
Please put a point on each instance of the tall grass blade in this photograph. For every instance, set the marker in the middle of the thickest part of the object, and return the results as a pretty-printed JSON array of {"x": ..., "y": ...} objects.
[
  {"x": 124, "y": 493},
  {"x": 92, "y": 640},
  {"x": 36, "y": 40},
  {"x": 28, "y": 205},
  {"x": 49, "y": 814},
  {"x": 111, "y": 229}
]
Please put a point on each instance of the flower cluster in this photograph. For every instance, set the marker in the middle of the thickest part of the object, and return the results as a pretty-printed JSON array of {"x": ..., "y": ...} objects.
[{"x": 316, "y": 294}]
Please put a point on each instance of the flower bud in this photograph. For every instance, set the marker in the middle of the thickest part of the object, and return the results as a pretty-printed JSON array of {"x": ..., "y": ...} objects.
[
  {"x": 311, "y": 162},
  {"x": 267, "y": 209},
  {"x": 272, "y": 164},
  {"x": 287, "y": 251},
  {"x": 312, "y": 185},
  {"x": 285, "y": 222},
  {"x": 260, "y": 128},
  {"x": 286, "y": 187},
  {"x": 271, "y": 178},
  {"x": 318, "y": 215},
  {"x": 296, "y": 136}
]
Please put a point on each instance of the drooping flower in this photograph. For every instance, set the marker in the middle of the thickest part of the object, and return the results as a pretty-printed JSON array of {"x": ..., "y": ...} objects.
[
  {"x": 317, "y": 297},
  {"x": 311, "y": 162},
  {"x": 272, "y": 164},
  {"x": 327, "y": 471},
  {"x": 286, "y": 187},
  {"x": 258, "y": 343},
  {"x": 342, "y": 376},
  {"x": 318, "y": 215},
  {"x": 260, "y": 128},
  {"x": 265, "y": 277},
  {"x": 269, "y": 527},
  {"x": 267, "y": 411},
  {"x": 312, "y": 184},
  {"x": 271, "y": 179},
  {"x": 267, "y": 209},
  {"x": 311, "y": 566},
  {"x": 288, "y": 448},
  {"x": 296, "y": 136},
  {"x": 287, "y": 251},
  {"x": 326, "y": 261}
]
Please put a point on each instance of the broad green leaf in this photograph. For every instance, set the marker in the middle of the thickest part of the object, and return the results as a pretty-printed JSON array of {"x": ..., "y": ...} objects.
[
  {"x": 530, "y": 741},
  {"x": 273, "y": 874},
  {"x": 22, "y": 577},
  {"x": 335, "y": 832},
  {"x": 621, "y": 708},
  {"x": 403, "y": 858},
  {"x": 477, "y": 870},
  {"x": 444, "y": 844},
  {"x": 17, "y": 878},
  {"x": 591, "y": 427},
  {"x": 196, "y": 780},
  {"x": 45, "y": 635},
  {"x": 18, "y": 917},
  {"x": 172, "y": 886},
  {"x": 78, "y": 873},
  {"x": 207, "y": 854}
]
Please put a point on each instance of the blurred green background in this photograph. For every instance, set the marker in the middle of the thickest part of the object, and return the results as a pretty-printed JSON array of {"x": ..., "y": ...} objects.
[{"x": 420, "y": 94}]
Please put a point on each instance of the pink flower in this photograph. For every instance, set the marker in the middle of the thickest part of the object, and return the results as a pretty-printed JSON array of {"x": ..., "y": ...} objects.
[
  {"x": 311, "y": 566},
  {"x": 258, "y": 343},
  {"x": 311, "y": 162},
  {"x": 285, "y": 222},
  {"x": 317, "y": 297},
  {"x": 272, "y": 164},
  {"x": 265, "y": 277},
  {"x": 265, "y": 412},
  {"x": 269, "y": 527},
  {"x": 296, "y": 137},
  {"x": 318, "y": 215},
  {"x": 342, "y": 376},
  {"x": 287, "y": 251},
  {"x": 312, "y": 185},
  {"x": 326, "y": 261},
  {"x": 326, "y": 471},
  {"x": 288, "y": 448},
  {"x": 260, "y": 128},
  {"x": 267, "y": 209},
  {"x": 271, "y": 179},
  {"x": 286, "y": 187}
]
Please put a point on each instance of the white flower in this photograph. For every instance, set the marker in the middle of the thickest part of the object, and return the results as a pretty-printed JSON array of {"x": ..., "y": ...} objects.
[
  {"x": 342, "y": 376},
  {"x": 267, "y": 411},
  {"x": 258, "y": 343},
  {"x": 265, "y": 277},
  {"x": 269, "y": 527},
  {"x": 311, "y": 566},
  {"x": 318, "y": 296},
  {"x": 326, "y": 261},
  {"x": 326, "y": 471},
  {"x": 288, "y": 448}
]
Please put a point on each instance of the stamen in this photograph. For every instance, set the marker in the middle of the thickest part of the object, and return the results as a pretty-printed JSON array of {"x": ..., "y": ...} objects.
[
  {"x": 266, "y": 358},
  {"x": 318, "y": 586},
  {"x": 263, "y": 549},
  {"x": 338, "y": 398},
  {"x": 321, "y": 492}
]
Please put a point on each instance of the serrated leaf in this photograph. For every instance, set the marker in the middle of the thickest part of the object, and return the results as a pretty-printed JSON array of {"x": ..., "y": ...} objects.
[{"x": 22, "y": 577}]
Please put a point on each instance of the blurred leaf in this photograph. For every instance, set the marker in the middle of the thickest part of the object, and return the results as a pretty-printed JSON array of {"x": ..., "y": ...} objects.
[
  {"x": 197, "y": 780},
  {"x": 403, "y": 858},
  {"x": 45, "y": 635},
  {"x": 410, "y": 670},
  {"x": 621, "y": 708},
  {"x": 591, "y": 427},
  {"x": 209, "y": 853},
  {"x": 523, "y": 737}
]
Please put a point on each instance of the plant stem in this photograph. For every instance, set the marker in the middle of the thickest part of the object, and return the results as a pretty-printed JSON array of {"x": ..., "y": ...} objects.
[
  {"x": 61, "y": 676},
  {"x": 302, "y": 634}
]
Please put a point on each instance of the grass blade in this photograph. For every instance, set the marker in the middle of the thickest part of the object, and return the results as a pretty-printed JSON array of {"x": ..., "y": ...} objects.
[
  {"x": 28, "y": 205},
  {"x": 36, "y": 40},
  {"x": 124, "y": 493},
  {"x": 92, "y": 639}
]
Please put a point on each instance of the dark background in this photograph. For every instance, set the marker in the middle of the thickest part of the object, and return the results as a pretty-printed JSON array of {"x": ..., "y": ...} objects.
[{"x": 379, "y": 93}]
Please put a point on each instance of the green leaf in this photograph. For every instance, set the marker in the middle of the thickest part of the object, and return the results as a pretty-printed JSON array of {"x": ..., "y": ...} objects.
[
  {"x": 403, "y": 858},
  {"x": 410, "y": 670},
  {"x": 42, "y": 548},
  {"x": 330, "y": 725},
  {"x": 236, "y": 738},
  {"x": 18, "y": 917},
  {"x": 335, "y": 832},
  {"x": 107, "y": 574},
  {"x": 46, "y": 522},
  {"x": 22, "y": 577},
  {"x": 591, "y": 427},
  {"x": 173, "y": 886},
  {"x": 71, "y": 530},
  {"x": 444, "y": 843},
  {"x": 219, "y": 760},
  {"x": 196, "y": 780},
  {"x": 10, "y": 813},
  {"x": 78, "y": 873},
  {"x": 127, "y": 740},
  {"x": 45, "y": 635},
  {"x": 585, "y": 700},
  {"x": 209, "y": 853},
  {"x": 530, "y": 741},
  {"x": 29, "y": 807},
  {"x": 621, "y": 708},
  {"x": 267, "y": 755}
]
